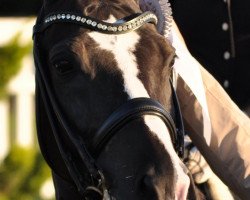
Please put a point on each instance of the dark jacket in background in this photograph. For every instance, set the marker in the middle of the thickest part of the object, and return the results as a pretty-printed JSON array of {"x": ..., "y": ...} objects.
[{"x": 217, "y": 33}]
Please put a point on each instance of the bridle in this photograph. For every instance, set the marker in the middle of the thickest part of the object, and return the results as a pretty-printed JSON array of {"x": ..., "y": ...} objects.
[{"x": 132, "y": 109}]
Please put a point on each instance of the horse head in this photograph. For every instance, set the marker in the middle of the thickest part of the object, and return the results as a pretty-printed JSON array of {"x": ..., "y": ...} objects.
[{"x": 92, "y": 57}]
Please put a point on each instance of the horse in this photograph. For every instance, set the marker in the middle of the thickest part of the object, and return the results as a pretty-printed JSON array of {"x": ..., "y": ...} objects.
[{"x": 107, "y": 116}]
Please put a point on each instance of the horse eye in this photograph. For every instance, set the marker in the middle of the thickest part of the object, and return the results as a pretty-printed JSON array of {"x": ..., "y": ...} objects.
[
  {"x": 63, "y": 66},
  {"x": 173, "y": 61}
]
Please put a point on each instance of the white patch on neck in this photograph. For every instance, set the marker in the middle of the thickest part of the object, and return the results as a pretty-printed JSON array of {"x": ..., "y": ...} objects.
[{"x": 123, "y": 47}]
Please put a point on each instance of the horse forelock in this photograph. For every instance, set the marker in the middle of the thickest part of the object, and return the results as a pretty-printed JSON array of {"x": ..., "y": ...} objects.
[{"x": 99, "y": 9}]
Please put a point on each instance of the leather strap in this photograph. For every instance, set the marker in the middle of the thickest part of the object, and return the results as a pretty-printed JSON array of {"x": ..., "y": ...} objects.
[
  {"x": 129, "y": 111},
  {"x": 124, "y": 25}
]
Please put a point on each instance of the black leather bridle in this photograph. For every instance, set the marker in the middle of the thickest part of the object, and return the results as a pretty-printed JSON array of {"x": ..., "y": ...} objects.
[{"x": 129, "y": 111}]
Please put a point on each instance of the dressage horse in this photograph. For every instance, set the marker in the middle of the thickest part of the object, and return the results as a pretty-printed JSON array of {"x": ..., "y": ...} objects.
[{"x": 107, "y": 117}]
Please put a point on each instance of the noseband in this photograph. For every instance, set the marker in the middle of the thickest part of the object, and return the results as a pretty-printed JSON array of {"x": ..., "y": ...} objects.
[{"x": 129, "y": 111}]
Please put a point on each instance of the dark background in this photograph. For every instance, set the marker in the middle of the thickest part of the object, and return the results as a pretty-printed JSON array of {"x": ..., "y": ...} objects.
[{"x": 19, "y": 7}]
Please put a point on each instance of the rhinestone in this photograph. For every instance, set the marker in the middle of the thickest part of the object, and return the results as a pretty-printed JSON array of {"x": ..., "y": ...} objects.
[
  {"x": 129, "y": 26},
  {"x": 73, "y": 17},
  {"x": 68, "y": 16},
  {"x": 125, "y": 28},
  {"x": 78, "y": 18},
  {"x": 89, "y": 21},
  {"x": 109, "y": 28},
  {"x": 141, "y": 20},
  {"x": 133, "y": 25},
  {"x": 119, "y": 28},
  {"x": 93, "y": 23},
  {"x": 99, "y": 26},
  {"x": 51, "y": 18},
  {"x": 63, "y": 16},
  {"x": 54, "y": 17},
  {"x": 59, "y": 16},
  {"x": 114, "y": 29},
  {"x": 104, "y": 27},
  {"x": 83, "y": 20}
]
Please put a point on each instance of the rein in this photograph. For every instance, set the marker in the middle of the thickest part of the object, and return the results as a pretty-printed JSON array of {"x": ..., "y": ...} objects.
[{"x": 132, "y": 109}]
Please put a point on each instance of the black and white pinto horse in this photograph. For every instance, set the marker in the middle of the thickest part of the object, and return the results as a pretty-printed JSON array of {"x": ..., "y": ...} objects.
[{"x": 104, "y": 103}]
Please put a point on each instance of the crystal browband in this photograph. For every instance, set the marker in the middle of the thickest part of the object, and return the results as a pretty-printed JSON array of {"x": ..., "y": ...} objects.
[{"x": 98, "y": 25}]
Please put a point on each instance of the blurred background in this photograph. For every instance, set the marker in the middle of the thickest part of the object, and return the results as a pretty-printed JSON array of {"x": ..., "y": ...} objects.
[{"x": 24, "y": 174}]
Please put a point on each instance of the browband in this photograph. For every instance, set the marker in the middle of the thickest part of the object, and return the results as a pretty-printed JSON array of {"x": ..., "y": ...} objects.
[{"x": 120, "y": 27}]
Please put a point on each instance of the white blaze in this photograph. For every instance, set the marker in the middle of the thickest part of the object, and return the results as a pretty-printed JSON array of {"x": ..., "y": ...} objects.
[
  {"x": 123, "y": 47},
  {"x": 158, "y": 127}
]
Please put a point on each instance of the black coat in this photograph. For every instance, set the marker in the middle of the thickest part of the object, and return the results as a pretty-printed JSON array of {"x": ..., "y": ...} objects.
[{"x": 220, "y": 44}]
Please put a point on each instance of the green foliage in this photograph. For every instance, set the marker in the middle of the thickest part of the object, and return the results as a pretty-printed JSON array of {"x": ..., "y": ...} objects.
[
  {"x": 22, "y": 174},
  {"x": 11, "y": 56}
]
